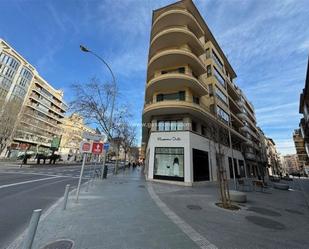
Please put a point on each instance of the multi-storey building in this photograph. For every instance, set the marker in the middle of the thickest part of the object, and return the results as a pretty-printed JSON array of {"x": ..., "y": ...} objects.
[
  {"x": 273, "y": 160},
  {"x": 291, "y": 163},
  {"x": 41, "y": 116},
  {"x": 189, "y": 91},
  {"x": 300, "y": 147},
  {"x": 42, "y": 107},
  {"x": 16, "y": 74},
  {"x": 72, "y": 134},
  {"x": 301, "y": 138}
]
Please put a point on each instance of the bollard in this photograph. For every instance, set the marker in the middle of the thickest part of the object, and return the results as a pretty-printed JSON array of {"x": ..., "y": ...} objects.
[
  {"x": 32, "y": 228},
  {"x": 65, "y": 197}
]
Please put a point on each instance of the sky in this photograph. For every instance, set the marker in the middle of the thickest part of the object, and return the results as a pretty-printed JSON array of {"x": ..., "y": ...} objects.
[{"x": 266, "y": 42}]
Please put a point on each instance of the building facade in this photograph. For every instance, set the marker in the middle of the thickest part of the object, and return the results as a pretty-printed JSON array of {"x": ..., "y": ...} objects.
[
  {"x": 190, "y": 92},
  {"x": 42, "y": 107},
  {"x": 72, "y": 135},
  {"x": 301, "y": 136},
  {"x": 273, "y": 160},
  {"x": 291, "y": 163}
]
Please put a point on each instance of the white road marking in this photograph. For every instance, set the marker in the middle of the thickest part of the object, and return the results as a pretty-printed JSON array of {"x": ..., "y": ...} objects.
[
  {"x": 199, "y": 239},
  {"x": 19, "y": 183}
]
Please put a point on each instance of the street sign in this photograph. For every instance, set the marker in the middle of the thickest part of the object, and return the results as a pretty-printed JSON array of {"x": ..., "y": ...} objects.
[
  {"x": 97, "y": 148},
  {"x": 106, "y": 147},
  {"x": 94, "y": 137},
  {"x": 85, "y": 147},
  {"x": 55, "y": 143}
]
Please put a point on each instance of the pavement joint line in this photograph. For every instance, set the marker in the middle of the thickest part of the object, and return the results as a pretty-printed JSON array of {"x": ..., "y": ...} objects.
[
  {"x": 20, "y": 183},
  {"x": 196, "y": 237}
]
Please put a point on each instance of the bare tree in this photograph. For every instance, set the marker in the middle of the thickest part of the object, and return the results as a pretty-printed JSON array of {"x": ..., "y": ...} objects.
[
  {"x": 220, "y": 137},
  {"x": 124, "y": 133},
  {"x": 8, "y": 118},
  {"x": 93, "y": 101}
]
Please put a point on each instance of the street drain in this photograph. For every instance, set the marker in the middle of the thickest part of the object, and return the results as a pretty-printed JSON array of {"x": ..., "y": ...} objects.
[
  {"x": 265, "y": 222},
  {"x": 194, "y": 207},
  {"x": 141, "y": 186},
  {"x": 60, "y": 244},
  {"x": 263, "y": 211},
  {"x": 294, "y": 211}
]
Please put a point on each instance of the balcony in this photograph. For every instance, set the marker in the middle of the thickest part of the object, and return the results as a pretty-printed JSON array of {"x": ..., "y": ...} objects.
[
  {"x": 250, "y": 156},
  {"x": 176, "y": 17},
  {"x": 175, "y": 37},
  {"x": 176, "y": 107},
  {"x": 175, "y": 57},
  {"x": 175, "y": 81}
]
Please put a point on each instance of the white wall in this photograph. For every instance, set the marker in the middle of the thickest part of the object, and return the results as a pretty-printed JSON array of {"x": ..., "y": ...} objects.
[{"x": 189, "y": 141}]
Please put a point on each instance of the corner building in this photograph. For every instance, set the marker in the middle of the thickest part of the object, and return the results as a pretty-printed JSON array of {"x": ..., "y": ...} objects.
[{"x": 190, "y": 89}]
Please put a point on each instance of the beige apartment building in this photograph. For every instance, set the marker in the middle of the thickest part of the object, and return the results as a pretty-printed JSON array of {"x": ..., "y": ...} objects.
[
  {"x": 301, "y": 136},
  {"x": 291, "y": 163},
  {"x": 190, "y": 90},
  {"x": 72, "y": 135},
  {"x": 42, "y": 107}
]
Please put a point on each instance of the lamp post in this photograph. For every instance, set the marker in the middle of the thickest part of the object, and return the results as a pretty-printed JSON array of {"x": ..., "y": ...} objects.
[{"x": 86, "y": 50}]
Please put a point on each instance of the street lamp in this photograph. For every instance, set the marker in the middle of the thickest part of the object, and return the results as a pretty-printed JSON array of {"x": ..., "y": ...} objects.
[{"x": 86, "y": 50}]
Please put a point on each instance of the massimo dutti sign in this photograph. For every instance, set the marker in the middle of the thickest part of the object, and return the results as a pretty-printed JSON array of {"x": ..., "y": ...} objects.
[{"x": 168, "y": 139}]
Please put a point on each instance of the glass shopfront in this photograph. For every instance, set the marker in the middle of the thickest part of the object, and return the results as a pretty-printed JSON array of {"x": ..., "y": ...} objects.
[{"x": 169, "y": 163}]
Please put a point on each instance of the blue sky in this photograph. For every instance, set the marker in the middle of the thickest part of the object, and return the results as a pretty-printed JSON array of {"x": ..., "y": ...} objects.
[{"x": 266, "y": 41}]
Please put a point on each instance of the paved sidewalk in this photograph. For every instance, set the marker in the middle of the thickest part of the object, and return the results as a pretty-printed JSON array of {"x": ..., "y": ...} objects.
[
  {"x": 274, "y": 219},
  {"x": 126, "y": 212},
  {"x": 116, "y": 213}
]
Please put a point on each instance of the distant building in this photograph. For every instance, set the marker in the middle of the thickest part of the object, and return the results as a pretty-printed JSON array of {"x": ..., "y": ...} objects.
[
  {"x": 291, "y": 163},
  {"x": 301, "y": 151},
  {"x": 301, "y": 136},
  {"x": 42, "y": 107},
  {"x": 273, "y": 160},
  {"x": 72, "y": 132}
]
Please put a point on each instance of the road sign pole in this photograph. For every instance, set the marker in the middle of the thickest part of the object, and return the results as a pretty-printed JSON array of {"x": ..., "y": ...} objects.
[
  {"x": 103, "y": 174},
  {"x": 80, "y": 177}
]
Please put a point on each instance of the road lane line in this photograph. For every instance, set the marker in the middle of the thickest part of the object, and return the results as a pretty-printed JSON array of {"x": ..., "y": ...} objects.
[{"x": 19, "y": 183}]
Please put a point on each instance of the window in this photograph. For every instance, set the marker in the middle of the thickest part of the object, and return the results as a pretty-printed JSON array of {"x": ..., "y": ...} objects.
[
  {"x": 208, "y": 71},
  {"x": 181, "y": 70},
  {"x": 196, "y": 100},
  {"x": 173, "y": 125},
  {"x": 169, "y": 163},
  {"x": 204, "y": 131},
  {"x": 194, "y": 126},
  {"x": 180, "y": 125},
  {"x": 167, "y": 125},
  {"x": 207, "y": 53},
  {"x": 217, "y": 60},
  {"x": 170, "y": 125},
  {"x": 223, "y": 115},
  {"x": 171, "y": 96},
  {"x": 219, "y": 77},
  {"x": 221, "y": 95}
]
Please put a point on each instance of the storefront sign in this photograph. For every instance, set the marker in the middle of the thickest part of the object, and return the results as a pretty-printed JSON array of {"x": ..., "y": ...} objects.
[{"x": 169, "y": 139}]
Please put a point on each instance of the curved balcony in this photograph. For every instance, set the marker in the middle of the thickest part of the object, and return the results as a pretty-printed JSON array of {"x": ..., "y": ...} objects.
[
  {"x": 175, "y": 57},
  {"x": 245, "y": 129},
  {"x": 175, "y": 81},
  {"x": 176, "y": 17},
  {"x": 175, "y": 107},
  {"x": 175, "y": 36}
]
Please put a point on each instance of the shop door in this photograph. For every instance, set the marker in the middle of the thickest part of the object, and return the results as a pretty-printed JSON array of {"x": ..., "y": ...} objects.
[{"x": 200, "y": 165}]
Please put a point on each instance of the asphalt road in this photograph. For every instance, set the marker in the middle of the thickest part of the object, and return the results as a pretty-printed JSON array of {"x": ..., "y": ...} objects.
[{"x": 23, "y": 190}]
